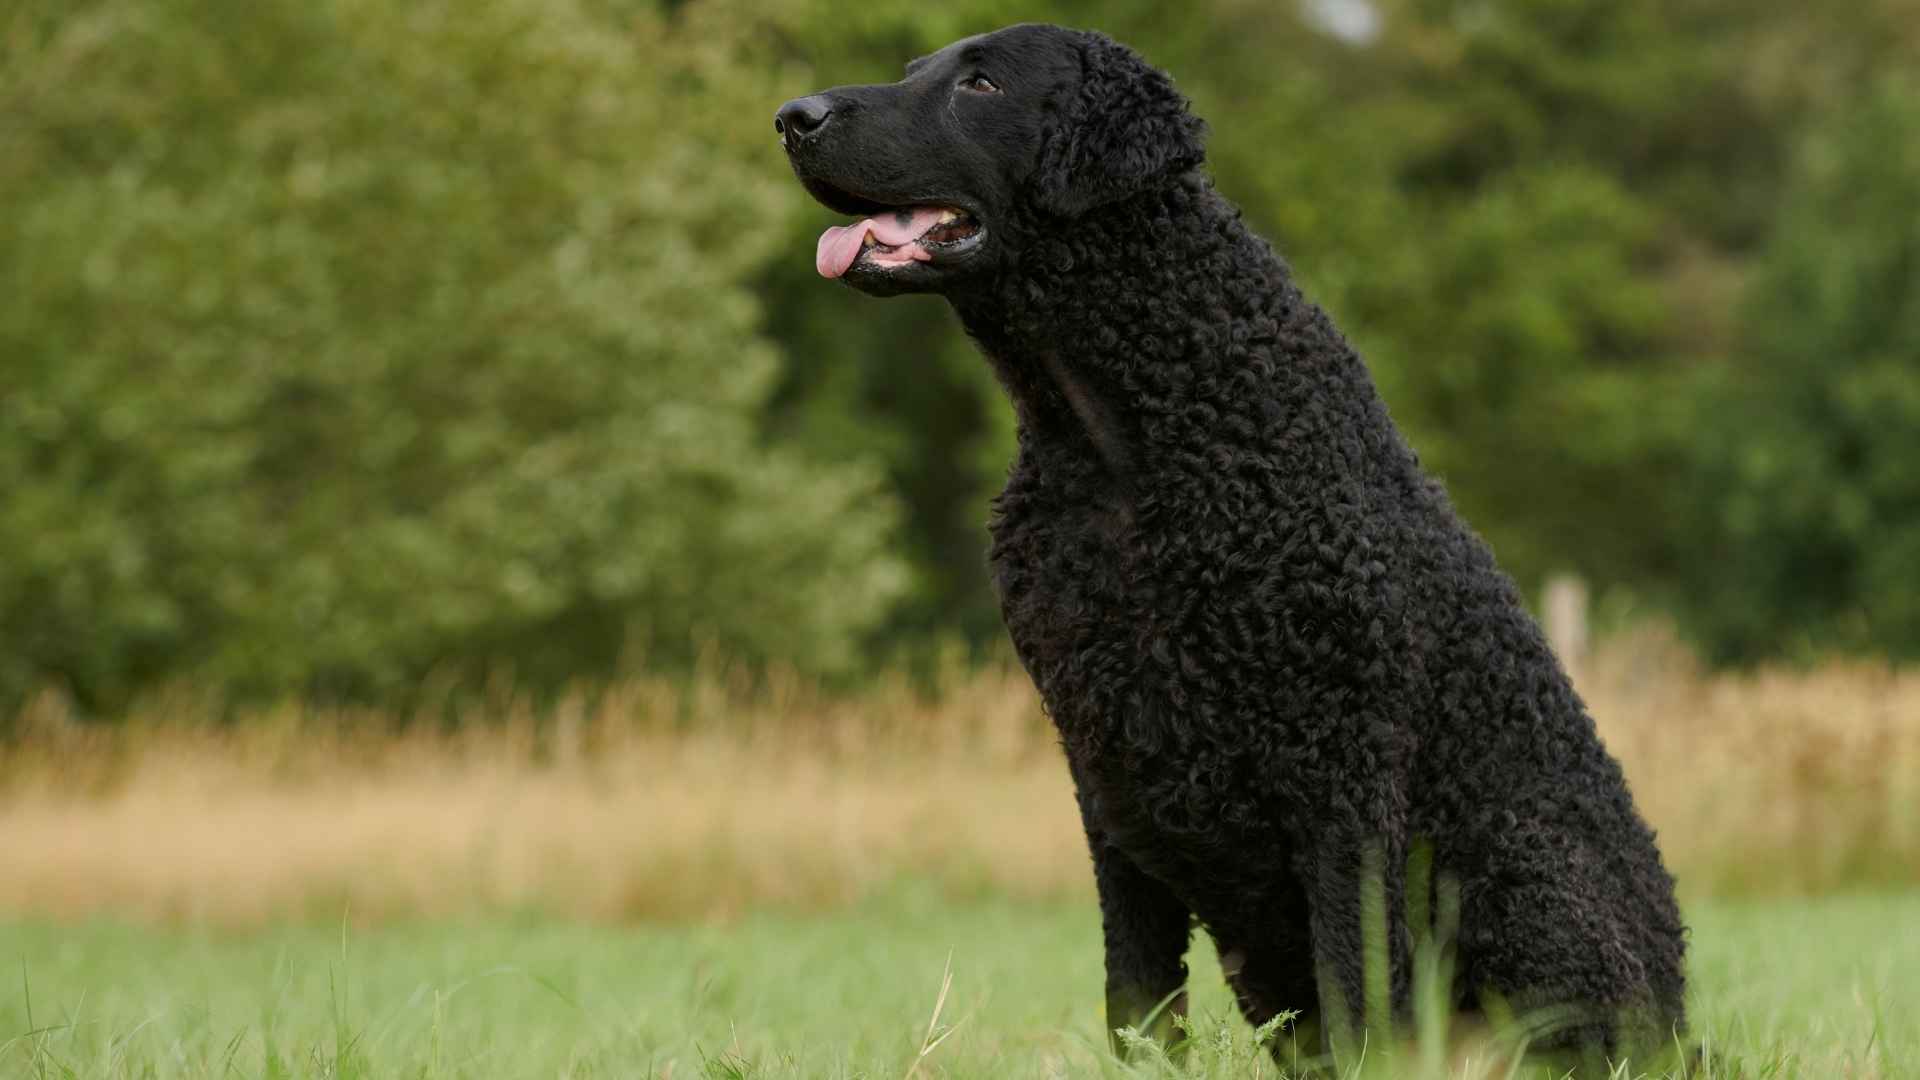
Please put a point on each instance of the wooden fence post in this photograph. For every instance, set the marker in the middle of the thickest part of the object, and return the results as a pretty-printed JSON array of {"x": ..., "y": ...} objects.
[{"x": 1563, "y": 607}]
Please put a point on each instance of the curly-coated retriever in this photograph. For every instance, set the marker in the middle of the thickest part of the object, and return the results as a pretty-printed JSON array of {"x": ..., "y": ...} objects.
[{"x": 1282, "y": 668}]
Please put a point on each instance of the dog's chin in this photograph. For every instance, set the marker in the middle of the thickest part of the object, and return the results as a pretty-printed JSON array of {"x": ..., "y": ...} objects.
[{"x": 951, "y": 266}]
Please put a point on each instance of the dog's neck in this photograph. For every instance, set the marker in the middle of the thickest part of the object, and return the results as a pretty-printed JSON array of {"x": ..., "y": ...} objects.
[{"x": 1144, "y": 330}]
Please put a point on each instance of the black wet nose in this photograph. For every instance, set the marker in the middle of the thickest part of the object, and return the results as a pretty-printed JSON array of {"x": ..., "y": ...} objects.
[{"x": 801, "y": 117}]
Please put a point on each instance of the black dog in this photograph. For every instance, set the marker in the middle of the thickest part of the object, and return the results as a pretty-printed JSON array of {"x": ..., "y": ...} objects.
[{"x": 1279, "y": 663}]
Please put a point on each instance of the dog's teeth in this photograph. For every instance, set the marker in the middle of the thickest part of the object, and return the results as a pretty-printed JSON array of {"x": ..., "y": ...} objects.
[
  {"x": 868, "y": 241},
  {"x": 948, "y": 215}
]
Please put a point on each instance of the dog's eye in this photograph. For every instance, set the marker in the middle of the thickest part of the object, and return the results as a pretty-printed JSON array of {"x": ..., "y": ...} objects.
[{"x": 979, "y": 84}]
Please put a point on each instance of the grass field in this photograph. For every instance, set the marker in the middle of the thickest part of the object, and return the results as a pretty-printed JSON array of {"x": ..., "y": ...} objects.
[
  {"x": 718, "y": 865},
  {"x": 1813, "y": 988}
]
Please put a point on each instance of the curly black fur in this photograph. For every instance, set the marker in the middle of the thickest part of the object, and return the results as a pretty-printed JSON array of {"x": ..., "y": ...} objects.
[{"x": 1274, "y": 653}]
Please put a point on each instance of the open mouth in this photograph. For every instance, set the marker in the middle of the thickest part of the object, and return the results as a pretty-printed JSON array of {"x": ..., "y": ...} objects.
[{"x": 896, "y": 238}]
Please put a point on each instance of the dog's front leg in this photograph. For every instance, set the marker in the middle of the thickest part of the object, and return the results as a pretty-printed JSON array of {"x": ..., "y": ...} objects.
[{"x": 1147, "y": 930}]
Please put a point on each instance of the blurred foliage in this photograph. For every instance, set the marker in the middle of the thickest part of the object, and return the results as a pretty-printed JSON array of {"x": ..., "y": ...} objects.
[
  {"x": 1811, "y": 474},
  {"x": 347, "y": 344},
  {"x": 1536, "y": 217}
]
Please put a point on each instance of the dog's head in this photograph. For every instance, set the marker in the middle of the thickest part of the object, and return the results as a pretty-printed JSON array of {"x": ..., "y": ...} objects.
[{"x": 1032, "y": 123}]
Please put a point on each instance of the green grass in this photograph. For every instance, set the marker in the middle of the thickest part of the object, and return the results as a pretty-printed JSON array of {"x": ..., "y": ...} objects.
[{"x": 1818, "y": 988}]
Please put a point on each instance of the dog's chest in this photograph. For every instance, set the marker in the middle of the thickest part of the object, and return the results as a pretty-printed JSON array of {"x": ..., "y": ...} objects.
[
  {"x": 1072, "y": 585},
  {"x": 1094, "y": 605},
  {"x": 1143, "y": 647}
]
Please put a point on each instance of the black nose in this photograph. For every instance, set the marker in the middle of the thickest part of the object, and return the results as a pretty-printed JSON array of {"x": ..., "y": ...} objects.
[{"x": 801, "y": 117}]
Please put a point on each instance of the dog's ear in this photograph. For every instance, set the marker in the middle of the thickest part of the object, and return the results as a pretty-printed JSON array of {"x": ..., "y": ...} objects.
[{"x": 1123, "y": 131}]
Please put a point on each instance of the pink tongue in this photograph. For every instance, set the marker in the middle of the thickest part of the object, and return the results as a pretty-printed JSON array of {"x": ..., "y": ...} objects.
[{"x": 840, "y": 245}]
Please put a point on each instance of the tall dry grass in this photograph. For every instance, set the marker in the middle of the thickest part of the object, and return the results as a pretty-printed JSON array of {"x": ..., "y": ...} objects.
[{"x": 658, "y": 799}]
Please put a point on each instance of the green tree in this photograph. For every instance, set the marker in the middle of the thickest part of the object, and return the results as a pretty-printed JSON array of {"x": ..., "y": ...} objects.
[
  {"x": 1809, "y": 538},
  {"x": 1535, "y": 217},
  {"x": 344, "y": 342},
  {"x": 897, "y": 379},
  {"x": 1454, "y": 190}
]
